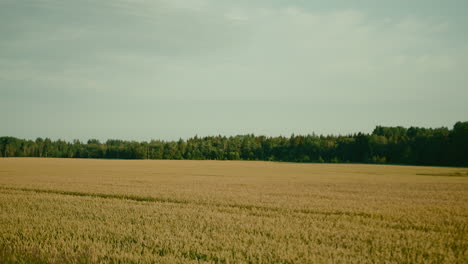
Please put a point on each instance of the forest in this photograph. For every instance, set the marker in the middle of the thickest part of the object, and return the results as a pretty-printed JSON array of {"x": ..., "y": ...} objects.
[{"x": 392, "y": 145}]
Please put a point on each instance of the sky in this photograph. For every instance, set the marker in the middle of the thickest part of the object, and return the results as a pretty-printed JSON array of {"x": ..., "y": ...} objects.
[{"x": 170, "y": 69}]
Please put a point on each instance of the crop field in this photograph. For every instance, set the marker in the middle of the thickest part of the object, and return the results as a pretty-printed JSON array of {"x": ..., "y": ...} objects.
[{"x": 121, "y": 211}]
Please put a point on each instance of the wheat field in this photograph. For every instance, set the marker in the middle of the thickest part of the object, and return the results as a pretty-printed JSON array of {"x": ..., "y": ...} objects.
[{"x": 116, "y": 211}]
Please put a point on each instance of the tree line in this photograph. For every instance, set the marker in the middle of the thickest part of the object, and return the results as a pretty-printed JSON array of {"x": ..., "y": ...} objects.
[{"x": 393, "y": 145}]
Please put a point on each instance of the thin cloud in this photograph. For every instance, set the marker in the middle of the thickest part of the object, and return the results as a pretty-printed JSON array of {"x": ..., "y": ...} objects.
[{"x": 146, "y": 53}]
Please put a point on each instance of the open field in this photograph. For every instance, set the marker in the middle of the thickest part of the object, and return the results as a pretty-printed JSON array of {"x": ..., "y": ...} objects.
[{"x": 104, "y": 211}]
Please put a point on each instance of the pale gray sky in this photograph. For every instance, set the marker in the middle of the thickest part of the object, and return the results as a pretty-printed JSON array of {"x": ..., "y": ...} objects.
[{"x": 164, "y": 69}]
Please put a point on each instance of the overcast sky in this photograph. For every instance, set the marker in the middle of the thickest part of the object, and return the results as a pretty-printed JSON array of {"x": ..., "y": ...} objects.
[{"x": 169, "y": 69}]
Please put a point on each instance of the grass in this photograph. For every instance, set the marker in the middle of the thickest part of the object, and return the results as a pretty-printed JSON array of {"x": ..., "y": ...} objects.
[{"x": 110, "y": 211}]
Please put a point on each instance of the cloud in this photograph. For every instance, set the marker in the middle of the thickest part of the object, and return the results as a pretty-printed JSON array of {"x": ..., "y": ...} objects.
[
  {"x": 200, "y": 50},
  {"x": 179, "y": 68}
]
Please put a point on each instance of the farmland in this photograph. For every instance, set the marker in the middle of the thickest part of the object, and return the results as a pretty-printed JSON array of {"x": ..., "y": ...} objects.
[{"x": 153, "y": 211}]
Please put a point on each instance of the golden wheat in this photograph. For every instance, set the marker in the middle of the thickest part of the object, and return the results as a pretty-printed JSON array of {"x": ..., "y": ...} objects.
[{"x": 109, "y": 211}]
